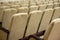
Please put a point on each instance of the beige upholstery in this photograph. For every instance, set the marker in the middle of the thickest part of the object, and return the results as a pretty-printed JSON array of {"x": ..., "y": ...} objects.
[
  {"x": 56, "y": 13},
  {"x": 15, "y": 6},
  {"x": 56, "y": 5},
  {"x": 50, "y": 6},
  {"x": 7, "y": 17},
  {"x": 33, "y": 22},
  {"x": 18, "y": 25},
  {"x": 46, "y": 19},
  {"x": 55, "y": 33},
  {"x": 1, "y": 11},
  {"x": 3, "y": 35},
  {"x": 22, "y": 10},
  {"x": 52, "y": 32},
  {"x": 32, "y": 8},
  {"x": 42, "y": 7}
]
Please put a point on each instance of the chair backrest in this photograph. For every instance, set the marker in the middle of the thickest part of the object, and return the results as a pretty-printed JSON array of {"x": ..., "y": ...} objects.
[
  {"x": 56, "y": 5},
  {"x": 52, "y": 32},
  {"x": 18, "y": 25},
  {"x": 15, "y": 6},
  {"x": 42, "y": 7},
  {"x": 7, "y": 17},
  {"x": 50, "y": 6},
  {"x": 35, "y": 17},
  {"x": 56, "y": 13},
  {"x": 1, "y": 11},
  {"x": 46, "y": 19},
  {"x": 32, "y": 8},
  {"x": 22, "y": 10}
]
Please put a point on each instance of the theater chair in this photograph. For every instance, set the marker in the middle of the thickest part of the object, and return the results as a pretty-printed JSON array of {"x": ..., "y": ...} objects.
[{"x": 52, "y": 32}]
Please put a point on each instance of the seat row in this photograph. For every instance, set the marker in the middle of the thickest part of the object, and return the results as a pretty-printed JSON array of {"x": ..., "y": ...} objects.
[{"x": 21, "y": 25}]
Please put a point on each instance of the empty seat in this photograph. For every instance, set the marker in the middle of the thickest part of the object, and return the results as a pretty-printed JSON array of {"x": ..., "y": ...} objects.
[
  {"x": 22, "y": 10},
  {"x": 18, "y": 25},
  {"x": 52, "y": 32},
  {"x": 50, "y": 6},
  {"x": 35, "y": 17},
  {"x": 1, "y": 11},
  {"x": 56, "y": 13},
  {"x": 24, "y": 5},
  {"x": 15, "y": 6},
  {"x": 7, "y": 17},
  {"x": 56, "y": 5},
  {"x": 42, "y": 7},
  {"x": 32, "y": 8},
  {"x": 46, "y": 19}
]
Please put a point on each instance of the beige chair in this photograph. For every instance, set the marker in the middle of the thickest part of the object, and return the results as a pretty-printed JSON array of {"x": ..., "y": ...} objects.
[
  {"x": 56, "y": 13},
  {"x": 33, "y": 8},
  {"x": 18, "y": 24},
  {"x": 50, "y": 6},
  {"x": 52, "y": 32},
  {"x": 56, "y": 5},
  {"x": 46, "y": 19},
  {"x": 7, "y": 17},
  {"x": 15, "y": 6},
  {"x": 22, "y": 10},
  {"x": 35, "y": 17},
  {"x": 1, "y": 11},
  {"x": 42, "y": 7}
]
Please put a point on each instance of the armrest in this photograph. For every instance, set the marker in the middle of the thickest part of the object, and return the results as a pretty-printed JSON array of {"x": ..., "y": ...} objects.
[
  {"x": 40, "y": 33},
  {"x": 5, "y": 30},
  {"x": 32, "y": 37}
]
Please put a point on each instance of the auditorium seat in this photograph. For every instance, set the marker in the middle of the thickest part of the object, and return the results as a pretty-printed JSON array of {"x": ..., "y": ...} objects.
[
  {"x": 1, "y": 11},
  {"x": 17, "y": 27},
  {"x": 33, "y": 8},
  {"x": 50, "y": 6},
  {"x": 46, "y": 19},
  {"x": 56, "y": 13},
  {"x": 56, "y": 5},
  {"x": 35, "y": 17},
  {"x": 15, "y": 6},
  {"x": 52, "y": 32},
  {"x": 42, "y": 7},
  {"x": 7, "y": 17},
  {"x": 22, "y": 10}
]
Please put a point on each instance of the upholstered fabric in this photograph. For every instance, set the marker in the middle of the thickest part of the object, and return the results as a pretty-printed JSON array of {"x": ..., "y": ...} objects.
[
  {"x": 35, "y": 17},
  {"x": 22, "y": 10},
  {"x": 7, "y": 17},
  {"x": 46, "y": 19},
  {"x": 1, "y": 11},
  {"x": 18, "y": 25}
]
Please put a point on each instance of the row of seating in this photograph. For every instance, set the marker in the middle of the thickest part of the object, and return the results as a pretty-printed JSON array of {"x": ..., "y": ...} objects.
[
  {"x": 24, "y": 21},
  {"x": 52, "y": 32}
]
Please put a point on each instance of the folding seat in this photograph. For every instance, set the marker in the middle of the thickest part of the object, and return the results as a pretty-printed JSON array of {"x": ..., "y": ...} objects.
[
  {"x": 32, "y": 8},
  {"x": 52, "y": 32},
  {"x": 51, "y": 2},
  {"x": 42, "y": 7},
  {"x": 24, "y": 5},
  {"x": 32, "y": 4},
  {"x": 18, "y": 24},
  {"x": 7, "y": 17},
  {"x": 46, "y": 19},
  {"x": 15, "y": 6},
  {"x": 1, "y": 11},
  {"x": 56, "y": 13},
  {"x": 22, "y": 10},
  {"x": 56, "y": 5},
  {"x": 50, "y": 6},
  {"x": 35, "y": 17}
]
